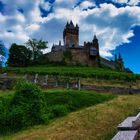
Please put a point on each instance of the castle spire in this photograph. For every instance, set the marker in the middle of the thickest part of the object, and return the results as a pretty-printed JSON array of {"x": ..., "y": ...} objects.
[
  {"x": 77, "y": 26},
  {"x": 71, "y": 24},
  {"x": 116, "y": 58},
  {"x": 120, "y": 56},
  {"x": 67, "y": 25},
  {"x": 94, "y": 37}
]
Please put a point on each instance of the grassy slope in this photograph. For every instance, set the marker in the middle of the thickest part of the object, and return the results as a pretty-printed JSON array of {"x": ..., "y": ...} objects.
[
  {"x": 101, "y": 73},
  {"x": 6, "y": 92},
  {"x": 97, "y": 122}
]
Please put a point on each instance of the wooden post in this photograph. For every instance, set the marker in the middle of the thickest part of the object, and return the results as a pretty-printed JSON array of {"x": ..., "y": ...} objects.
[
  {"x": 46, "y": 79},
  {"x": 56, "y": 84},
  {"x": 79, "y": 84},
  {"x": 67, "y": 85},
  {"x": 36, "y": 77},
  {"x": 25, "y": 77}
]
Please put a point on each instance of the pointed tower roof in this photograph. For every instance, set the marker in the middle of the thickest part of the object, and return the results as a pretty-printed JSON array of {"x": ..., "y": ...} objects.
[
  {"x": 77, "y": 26},
  {"x": 115, "y": 57},
  {"x": 71, "y": 24},
  {"x": 94, "y": 37},
  {"x": 120, "y": 56}
]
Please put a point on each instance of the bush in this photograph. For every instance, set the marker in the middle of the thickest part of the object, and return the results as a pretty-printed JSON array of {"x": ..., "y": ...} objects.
[
  {"x": 29, "y": 99},
  {"x": 57, "y": 111},
  {"x": 30, "y": 106},
  {"x": 26, "y": 108}
]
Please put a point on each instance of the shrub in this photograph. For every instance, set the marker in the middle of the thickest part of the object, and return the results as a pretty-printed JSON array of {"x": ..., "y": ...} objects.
[
  {"x": 58, "y": 111},
  {"x": 25, "y": 108},
  {"x": 29, "y": 99},
  {"x": 30, "y": 106}
]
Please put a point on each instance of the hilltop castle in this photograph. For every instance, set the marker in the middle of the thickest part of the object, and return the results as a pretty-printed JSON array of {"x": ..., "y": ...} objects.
[{"x": 71, "y": 53}]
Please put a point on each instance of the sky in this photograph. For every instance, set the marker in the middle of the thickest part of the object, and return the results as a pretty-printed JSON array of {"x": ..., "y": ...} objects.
[{"x": 115, "y": 22}]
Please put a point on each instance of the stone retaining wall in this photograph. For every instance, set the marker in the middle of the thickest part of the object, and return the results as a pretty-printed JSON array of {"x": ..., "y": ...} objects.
[{"x": 7, "y": 83}]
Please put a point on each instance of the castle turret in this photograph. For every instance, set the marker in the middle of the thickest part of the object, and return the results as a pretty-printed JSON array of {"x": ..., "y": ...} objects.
[
  {"x": 71, "y": 35},
  {"x": 95, "y": 42},
  {"x": 119, "y": 62}
]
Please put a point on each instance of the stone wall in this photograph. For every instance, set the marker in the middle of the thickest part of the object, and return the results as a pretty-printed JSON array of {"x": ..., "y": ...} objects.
[
  {"x": 79, "y": 57},
  {"x": 7, "y": 83},
  {"x": 108, "y": 63},
  {"x": 55, "y": 56}
]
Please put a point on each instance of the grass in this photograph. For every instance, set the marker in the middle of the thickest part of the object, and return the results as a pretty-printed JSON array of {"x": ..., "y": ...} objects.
[
  {"x": 96, "y": 122},
  {"x": 99, "y": 73},
  {"x": 74, "y": 99},
  {"x": 6, "y": 92},
  {"x": 28, "y": 104}
]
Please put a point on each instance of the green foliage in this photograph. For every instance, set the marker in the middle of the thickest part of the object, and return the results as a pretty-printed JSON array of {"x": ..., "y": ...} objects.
[
  {"x": 85, "y": 72},
  {"x": 73, "y": 99},
  {"x": 19, "y": 55},
  {"x": 30, "y": 106},
  {"x": 4, "y": 113},
  {"x": 30, "y": 99},
  {"x": 26, "y": 108},
  {"x": 36, "y": 47},
  {"x": 57, "y": 110}
]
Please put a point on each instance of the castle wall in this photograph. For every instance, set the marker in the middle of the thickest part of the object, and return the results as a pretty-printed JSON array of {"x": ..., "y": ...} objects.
[
  {"x": 55, "y": 56},
  {"x": 79, "y": 57},
  {"x": 108, "y": 63}
]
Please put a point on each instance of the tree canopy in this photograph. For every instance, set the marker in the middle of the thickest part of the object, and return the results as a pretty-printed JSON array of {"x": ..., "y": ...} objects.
[
  {"x": 36, "y": 46},
  {"x": 19, "y": 55}
]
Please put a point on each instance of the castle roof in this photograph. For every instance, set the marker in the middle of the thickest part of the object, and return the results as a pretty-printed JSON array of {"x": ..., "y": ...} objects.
[{"x": 71, "y": 25}]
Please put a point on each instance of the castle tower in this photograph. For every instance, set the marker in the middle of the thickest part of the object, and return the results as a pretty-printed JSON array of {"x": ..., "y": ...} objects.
[
  {"x": 71, "y": 35},
  {"x": 95, "y": 43}
]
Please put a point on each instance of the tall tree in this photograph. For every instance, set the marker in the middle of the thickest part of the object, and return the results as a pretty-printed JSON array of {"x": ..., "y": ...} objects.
[
  {"x": 19, "y": 56},
  {"x": 36, "y": 47}
]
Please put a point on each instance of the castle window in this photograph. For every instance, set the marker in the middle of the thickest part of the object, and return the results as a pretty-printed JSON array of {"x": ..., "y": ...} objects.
[{"x": 93, "y": 51}]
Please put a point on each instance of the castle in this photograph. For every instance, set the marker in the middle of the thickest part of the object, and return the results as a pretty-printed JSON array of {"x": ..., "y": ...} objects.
[{"x": 87, "y": 54}]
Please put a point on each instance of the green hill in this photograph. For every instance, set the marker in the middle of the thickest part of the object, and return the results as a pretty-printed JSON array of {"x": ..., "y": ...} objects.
[{"x": 96, "y": 122}]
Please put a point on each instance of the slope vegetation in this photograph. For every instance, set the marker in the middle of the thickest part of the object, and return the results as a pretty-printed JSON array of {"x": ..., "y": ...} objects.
[{"x": 96, "y": 122}]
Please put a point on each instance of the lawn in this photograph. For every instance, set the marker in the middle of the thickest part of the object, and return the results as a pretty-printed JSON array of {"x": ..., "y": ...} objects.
[{"x": 98, "y": 122}]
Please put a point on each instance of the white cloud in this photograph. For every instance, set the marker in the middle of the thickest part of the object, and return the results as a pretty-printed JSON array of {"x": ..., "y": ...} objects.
[
  {"x": 127, "y": 2},
  {"x": 134, "y": 2},
  {"x": 112, "y": 25},
  {"x": 86, "y": 4},
  {"x": 120, "y": 1}
]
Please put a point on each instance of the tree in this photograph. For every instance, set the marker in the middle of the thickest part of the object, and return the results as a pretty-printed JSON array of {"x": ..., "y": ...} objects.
[
  {"x": 19, "y": 55},
  {"x": 2, "y": 53},
  {"x": 36, "y": 47}
]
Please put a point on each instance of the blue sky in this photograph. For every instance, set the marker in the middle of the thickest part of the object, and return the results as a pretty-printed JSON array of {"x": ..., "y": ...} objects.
[{"x": 115, "y": 22}]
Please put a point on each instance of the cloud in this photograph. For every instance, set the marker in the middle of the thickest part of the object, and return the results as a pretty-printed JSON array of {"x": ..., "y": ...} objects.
[
  {"x": 113, "y": 25},
  {"x": 86, "y": 4},
  {"x": 128, "y": 2},
  {"x": 21, "y": 20}
]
